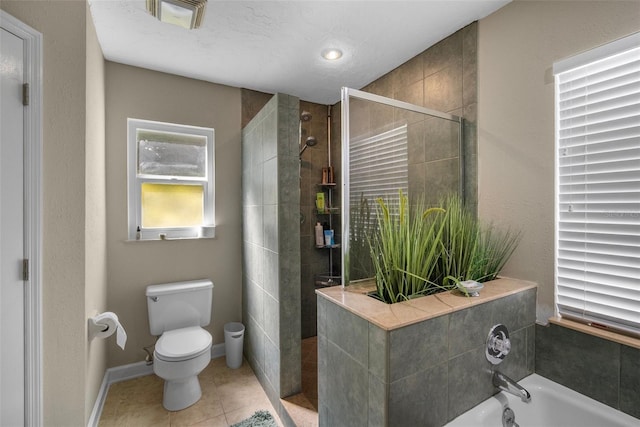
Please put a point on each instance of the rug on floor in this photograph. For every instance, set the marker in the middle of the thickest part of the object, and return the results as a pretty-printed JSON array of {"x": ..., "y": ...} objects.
[{"x": 259, "y": 419}]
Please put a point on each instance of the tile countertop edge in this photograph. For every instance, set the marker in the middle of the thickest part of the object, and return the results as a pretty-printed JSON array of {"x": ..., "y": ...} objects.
[{"x": 393, "y": 316}]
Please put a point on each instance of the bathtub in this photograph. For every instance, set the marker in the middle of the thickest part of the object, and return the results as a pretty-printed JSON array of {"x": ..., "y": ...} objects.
[{"x": 552, "y": 405}]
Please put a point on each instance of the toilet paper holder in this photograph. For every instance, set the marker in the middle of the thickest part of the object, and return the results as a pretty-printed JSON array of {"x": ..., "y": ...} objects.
[
  {"x": 94, "y": 328},
  {"x": 104, "y": 325}
]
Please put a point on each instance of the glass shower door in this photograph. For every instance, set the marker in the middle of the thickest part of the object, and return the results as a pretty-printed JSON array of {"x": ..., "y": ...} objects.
[{"x": 390, "y": 146}]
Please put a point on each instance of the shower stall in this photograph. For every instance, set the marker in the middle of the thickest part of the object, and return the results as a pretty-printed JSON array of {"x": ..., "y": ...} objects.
[
  {"x": 320, "y": 264},
  {"x": 374, "y": 146}
]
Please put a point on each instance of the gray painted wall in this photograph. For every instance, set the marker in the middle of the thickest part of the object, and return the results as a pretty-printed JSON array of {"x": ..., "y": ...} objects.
[{"x": 133, "y": 265}]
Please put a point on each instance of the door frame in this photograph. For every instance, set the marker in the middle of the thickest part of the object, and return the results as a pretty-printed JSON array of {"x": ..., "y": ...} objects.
[{"x": 32, "y": 216}]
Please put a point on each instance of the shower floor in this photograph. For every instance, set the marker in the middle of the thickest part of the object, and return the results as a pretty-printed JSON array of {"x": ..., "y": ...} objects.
[
  {"x": 310, "y": 370},
  {"x": 303, "y": 407}
]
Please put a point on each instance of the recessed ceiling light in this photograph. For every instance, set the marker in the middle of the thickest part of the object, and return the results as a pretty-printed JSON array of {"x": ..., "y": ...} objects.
[
  {"x": 331, "y": 54},
  {"x": 184, "y": 13}
]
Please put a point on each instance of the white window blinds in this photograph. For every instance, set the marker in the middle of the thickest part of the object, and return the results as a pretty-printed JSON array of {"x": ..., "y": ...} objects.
[
  {"x": 379, "y": 166},
  {"x": 598, "y": 186}
]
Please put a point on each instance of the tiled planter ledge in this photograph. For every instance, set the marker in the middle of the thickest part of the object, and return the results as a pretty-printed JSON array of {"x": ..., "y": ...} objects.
[
  {"x": 398, "y": 315},
  {"x": 418, "y": 362}
]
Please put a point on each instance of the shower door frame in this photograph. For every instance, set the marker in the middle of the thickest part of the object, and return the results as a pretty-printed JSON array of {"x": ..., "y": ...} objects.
[{"x": 349, "y": 92}]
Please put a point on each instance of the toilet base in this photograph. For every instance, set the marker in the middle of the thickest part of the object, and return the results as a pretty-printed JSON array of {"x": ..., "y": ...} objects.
[{"x": 180, "y": 394}]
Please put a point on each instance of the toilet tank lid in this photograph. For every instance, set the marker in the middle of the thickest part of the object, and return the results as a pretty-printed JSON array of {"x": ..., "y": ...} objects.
[{"x": 171, "y": 288}]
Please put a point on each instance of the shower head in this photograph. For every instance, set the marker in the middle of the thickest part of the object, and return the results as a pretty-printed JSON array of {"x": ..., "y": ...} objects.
[
  {"x": 305, "y": 116},
  {"x": 310, "y": 142}
]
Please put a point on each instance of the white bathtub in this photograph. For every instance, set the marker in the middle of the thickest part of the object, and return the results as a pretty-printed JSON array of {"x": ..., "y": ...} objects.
[{"x": 552, "y": 405}]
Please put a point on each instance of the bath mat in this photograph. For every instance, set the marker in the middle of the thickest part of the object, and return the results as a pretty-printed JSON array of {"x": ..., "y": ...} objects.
[{"x": 259, "y": 419}]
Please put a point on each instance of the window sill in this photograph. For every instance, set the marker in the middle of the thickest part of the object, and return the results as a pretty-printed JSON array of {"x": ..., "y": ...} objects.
[
  {"x": 597, "y": 332},
  {"x": 167, "y": 239},
  {"x": 177, "y": 233}
]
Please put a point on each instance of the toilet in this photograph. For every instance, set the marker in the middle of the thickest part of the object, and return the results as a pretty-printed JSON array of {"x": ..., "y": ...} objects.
[{"x": 177, "y": 313}]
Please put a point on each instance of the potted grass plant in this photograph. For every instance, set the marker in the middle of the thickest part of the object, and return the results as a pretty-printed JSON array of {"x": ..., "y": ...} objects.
[
  {"x": 471, "y": 250},
  {"x": 359, "y": 263},
  {"x": 419, "y": 251},
  {"x": 405, "y": 249}
]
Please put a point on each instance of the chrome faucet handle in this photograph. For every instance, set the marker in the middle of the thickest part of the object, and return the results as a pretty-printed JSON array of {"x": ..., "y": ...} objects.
[{"x": 498, "y": 344}]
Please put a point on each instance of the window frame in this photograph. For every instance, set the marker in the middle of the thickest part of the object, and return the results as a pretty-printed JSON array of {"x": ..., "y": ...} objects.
[{"x": 135, "y": 181}]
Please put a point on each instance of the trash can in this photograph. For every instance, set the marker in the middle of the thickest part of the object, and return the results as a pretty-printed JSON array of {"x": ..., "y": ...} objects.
[{"x": 233, "y": 338}]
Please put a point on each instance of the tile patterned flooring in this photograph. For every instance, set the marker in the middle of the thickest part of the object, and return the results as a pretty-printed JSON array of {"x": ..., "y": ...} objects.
[
  {"x": 303, "y": 407},
  {"x": 228, "y": 396},
  {"x": 310, "y": 370}
]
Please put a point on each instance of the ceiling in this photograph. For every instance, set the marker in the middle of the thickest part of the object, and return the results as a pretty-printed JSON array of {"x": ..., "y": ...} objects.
[{"x": 274, "y": 46}]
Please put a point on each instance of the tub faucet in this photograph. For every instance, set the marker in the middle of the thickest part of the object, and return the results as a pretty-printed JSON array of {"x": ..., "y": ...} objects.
[{"x": 505, "y": 383}]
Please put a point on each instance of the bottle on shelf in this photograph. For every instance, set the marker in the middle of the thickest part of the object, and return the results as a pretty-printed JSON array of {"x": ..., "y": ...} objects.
[
  {"x": 320, "y": 203},
  {"x": 319, "y": 235}
]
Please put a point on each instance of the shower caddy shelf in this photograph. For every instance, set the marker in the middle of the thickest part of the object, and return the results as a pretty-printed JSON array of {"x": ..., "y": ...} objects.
[{"x": 323, "y": 280}]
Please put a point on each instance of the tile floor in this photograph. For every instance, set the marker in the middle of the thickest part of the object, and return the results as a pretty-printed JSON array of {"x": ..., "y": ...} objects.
[
  {"x": 310, "y": 370},
  {"x": 228, "y": 396},
  {"x": 303, "y": 407}
]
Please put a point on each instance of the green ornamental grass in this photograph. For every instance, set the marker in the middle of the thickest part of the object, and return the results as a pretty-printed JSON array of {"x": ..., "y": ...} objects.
[
  {"x": 405, "y": 250},
  {"x": 419, "y": 251}
]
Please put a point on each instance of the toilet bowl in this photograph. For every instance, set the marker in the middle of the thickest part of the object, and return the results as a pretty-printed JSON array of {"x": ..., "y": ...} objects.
[
  {"x": 177, "y": 312},
  {"x": 179, "y": 357}
]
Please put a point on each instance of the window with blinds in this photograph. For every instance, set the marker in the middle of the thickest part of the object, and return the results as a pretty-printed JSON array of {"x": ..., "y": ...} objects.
[
  {"x": 598, "y": 186},
  {"x": 378, "y": 166}
]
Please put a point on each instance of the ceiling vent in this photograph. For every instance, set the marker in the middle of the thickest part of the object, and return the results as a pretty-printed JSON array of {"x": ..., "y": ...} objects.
[{"x": 184, "y": 13}]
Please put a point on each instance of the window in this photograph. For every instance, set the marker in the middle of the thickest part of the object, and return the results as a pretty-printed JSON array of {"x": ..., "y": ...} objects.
[
  {"x": 170, "y": 180},
  {"x": 378, "y": 166},
  {"x": 598, "y": 186}
]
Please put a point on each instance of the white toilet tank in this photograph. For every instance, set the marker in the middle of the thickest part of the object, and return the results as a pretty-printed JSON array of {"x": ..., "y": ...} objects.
[{"x": 179, "y": 305}]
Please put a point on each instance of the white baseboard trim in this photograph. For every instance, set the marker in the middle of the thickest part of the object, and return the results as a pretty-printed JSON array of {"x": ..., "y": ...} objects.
[
  {"x": 128, "y": 372},
  {"x": 94, "y": 418},
  {"x": 217, "y": 351}
]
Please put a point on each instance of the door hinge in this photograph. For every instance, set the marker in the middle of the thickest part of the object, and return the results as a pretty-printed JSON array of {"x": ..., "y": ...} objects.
[
  {"x": 25, "y": 269},
  {"x": 25, "y": 94}
]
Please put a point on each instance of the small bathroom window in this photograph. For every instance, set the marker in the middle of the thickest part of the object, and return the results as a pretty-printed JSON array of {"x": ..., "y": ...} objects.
[{"x": 170, "y": 181}]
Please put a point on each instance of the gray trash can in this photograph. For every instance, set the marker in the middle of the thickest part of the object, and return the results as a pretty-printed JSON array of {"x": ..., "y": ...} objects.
[{"x": 233, "y": 338}]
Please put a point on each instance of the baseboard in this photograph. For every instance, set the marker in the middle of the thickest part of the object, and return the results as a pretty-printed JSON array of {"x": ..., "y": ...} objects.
[
  {"x": 128, "y": 372},
  {"x": 94, "y": 418},
  {"x": 217, "y": 351}
]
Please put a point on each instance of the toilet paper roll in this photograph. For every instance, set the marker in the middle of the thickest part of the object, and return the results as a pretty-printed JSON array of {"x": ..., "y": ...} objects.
[{"x": 109, "y": 324}]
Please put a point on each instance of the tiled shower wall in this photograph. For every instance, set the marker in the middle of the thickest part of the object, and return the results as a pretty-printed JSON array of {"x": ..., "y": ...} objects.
[
  {"x": 443, "y": 78},
  {"x": 271, "y": 246},
  {"x": 603, "y": 370},
  {"x": 316, "y": 261},
  {"x": 313, "y": 261}
]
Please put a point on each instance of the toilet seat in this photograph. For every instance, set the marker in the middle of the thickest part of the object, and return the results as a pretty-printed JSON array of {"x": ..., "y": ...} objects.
[{"x": 183, "y": 344}]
